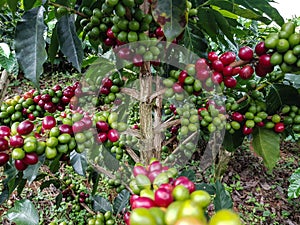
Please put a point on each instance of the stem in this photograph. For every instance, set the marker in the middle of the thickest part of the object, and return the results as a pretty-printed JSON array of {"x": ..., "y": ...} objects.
[
  {"x": 3, "y": 84},
  {"x": 132, "y": 154},
  {"x": 184, "y": 142},
  {"x": 166, "y": 125},
  {"x": 131, "y": 92},
  {"x": 100, "y": 169},
  {"x": 239, "y": 63}
]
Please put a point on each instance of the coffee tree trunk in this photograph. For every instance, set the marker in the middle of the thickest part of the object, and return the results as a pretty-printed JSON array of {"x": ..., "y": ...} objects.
[
  {"x": 3, "y": 84},
  {"x": 150, "y": 115}
]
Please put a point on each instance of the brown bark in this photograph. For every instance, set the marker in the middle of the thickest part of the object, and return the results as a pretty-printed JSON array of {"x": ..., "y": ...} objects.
[
  {"x": 146, "y": 121},
  {"x": 3, "y": 84}
]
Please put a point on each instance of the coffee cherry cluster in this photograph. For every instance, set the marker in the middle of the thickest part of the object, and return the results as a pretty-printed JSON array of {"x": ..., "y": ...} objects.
[
  {"x": 33, "y": 104},
  {"x": 291, "y": 117},
  {"x": 162, "y": 196},
  {"x": 116, "y": 183},
  {"x": 284, "y": 48},
  {"x": 102, "y": 219}
]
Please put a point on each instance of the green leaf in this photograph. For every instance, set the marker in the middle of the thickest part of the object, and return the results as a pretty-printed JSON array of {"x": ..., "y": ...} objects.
[
  {"x": 101, "y": 204},
  {"x": 171, "y": 15},
  {"x": 4, "y": 194},
  {"x": 54, "y": 45},
  {"x": 10, "y": 64},
  {"x": 266, "y": 143},
  {"x": 54, "y": 165},
  {"x": 58, "y": 199},
  {"x": 30, "y": 44},
  {"x": 194, "y": 40},
  {"x": 78, "y": 162},
  {"x": 69, "y": 42},
  {"x": 239, "y": 10},
  {"x": 121, "y": 201},
  {"x": 206, "y": 187},
  {"x": 293, "y": 79},
  {"x": 294, "y": 187},
  {"x": 2, "y": 2},
  {"x": 208, "y": 22},
  {"x": 222, "y": 199},
  {"x": 264, "y": 7},
  {"x": 100, "y": 68},
  {"x": 21, "y": 186},
  {"x": 23, "y": 213},
  {"x": 189, "y": 174},
  {"x": 29, "y": 4},
  {"x": 13, "y": 4},
  {"x": 232, "y": 141},
  {"x": 224, "y": 25},
  {"x": 32, "y": 171},
  {"x": 280, "y": 94}
]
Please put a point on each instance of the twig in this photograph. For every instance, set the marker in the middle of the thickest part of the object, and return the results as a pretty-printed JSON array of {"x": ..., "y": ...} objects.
[
  {"x": 131, "y": 92},
  {"x": 184, "y": 142},
  {"x": 166, "y": 125},
  {"x": 133, "y": 155},
  {"x": 100, "y": 169},
  {"x": 239, "y": 63},
  {"x": 3, "y": 84},
  {"x": 132, "y": 132},
  {"x": 156, "y": 94}
]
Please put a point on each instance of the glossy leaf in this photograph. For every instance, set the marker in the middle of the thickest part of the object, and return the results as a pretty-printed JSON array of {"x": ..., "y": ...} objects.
[
  {"x": 233, "y": 7},
  {"x": 13, "y": 4},
  {"x": 189, "y": 174},
  {"x": 54, "y": 45},
  {"x": 69, "y": 42},
  {"x": 30, "y": 44},
  {"x": 23, "y": 213},
  {"x": 293, "y": 79},
  {"x": 294, "y": 187},
  {"x": 266, "y": 143},
  {"x": 264, "y": 7},
  {"x": 121, "y": 201},
  {"x": 194, "y": 40},
  {"x": 280, "y": 94},
  {"x": 58, "y": 199},
  {"x": 21, "y": 186},
  {"x": 32, "y": 171},
  {"x": 78, "y": 162},
  {"x": 222, "y": 199},
  {"x": 206, "y": 187},
  {"x": 232, "y": 141},
  {"x": 29, "y": 4},
  {"x": 171, "y": 15},
  {"x": 101, "y": 204},
  {"x": 208, "y": 22}
]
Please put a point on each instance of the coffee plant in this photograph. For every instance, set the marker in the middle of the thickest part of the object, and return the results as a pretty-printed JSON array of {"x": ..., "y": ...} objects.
[{"x": 153, "y": 96}]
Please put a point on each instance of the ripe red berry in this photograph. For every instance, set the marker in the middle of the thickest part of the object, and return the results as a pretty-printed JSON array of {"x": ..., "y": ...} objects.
[
  {"x": 217, "y": 77},
  {"x": 279, "y": 127},
  {"x": 260, "y": 49},
  {"x": 227, "y": 57},
  {"x": 227, "y": 71},
  {"x": 230, "y": 82},
  {"x": 247, "y": 130},
  {"x": 212, "y": 56},
  {"x": 246, "y": 72},
  {"x": 245, "y": 53},
  {"x": 265, "y": 60},
  {"x": 236, "y": 116},
  {"x": 217, "y": 65}
]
